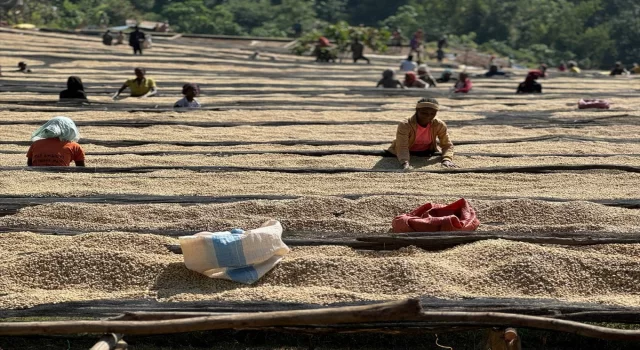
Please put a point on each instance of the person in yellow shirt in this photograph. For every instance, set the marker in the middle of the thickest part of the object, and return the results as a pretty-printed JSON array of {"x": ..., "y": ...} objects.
[
  {"x": 573, "y": 67},
  {"x": 141, "y": 86}
]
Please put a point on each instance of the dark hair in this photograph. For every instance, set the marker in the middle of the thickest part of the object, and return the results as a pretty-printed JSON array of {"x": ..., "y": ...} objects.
[
  {"x": 144, "y": 71},
  {"x": 193, "y": 86},
  {"x": 388, "y": 74},
  {"x": 410, "y": 58},
  {"x": 75, "y": 84},
  {"x": 429, "y": 100}
]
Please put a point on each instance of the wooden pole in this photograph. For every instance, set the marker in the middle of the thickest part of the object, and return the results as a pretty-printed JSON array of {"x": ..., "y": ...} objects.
[
  {"x": 392, "y": 311},
  {"x": 536, "y": 322}
]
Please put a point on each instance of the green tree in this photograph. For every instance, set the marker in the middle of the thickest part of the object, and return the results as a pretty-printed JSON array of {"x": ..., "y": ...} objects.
[{"x": 192, "y": 16}]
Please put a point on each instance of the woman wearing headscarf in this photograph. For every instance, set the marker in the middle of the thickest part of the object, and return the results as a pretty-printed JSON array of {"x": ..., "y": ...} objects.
[
  {"x": 530, "y": 85},
  {"x": 74, "y": 91},
  {"x": 55, "y": 144},
  {"x": 417, "y": 136},
  {"x": 411, "y": 81}
]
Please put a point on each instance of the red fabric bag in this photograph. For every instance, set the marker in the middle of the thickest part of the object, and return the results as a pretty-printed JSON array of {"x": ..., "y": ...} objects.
[
  {"x": 600, "y": 104},
  {"x": 457, "y": 216}
]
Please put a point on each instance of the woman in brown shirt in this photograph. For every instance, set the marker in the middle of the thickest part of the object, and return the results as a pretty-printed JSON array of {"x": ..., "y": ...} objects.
[{"x": 418, "y": 135}]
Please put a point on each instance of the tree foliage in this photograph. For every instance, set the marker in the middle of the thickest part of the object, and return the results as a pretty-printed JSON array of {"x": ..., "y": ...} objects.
[{"x": 594, "y": 32}]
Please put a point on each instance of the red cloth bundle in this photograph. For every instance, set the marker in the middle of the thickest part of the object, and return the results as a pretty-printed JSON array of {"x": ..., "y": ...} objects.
[
  {"x": 457, "y": 216},
  {"x": 600, "y": 104}
]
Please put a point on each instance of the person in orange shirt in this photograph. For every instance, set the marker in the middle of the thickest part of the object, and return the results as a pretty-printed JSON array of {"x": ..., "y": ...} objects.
[
  {"x": 54, "y": 144},
  {"x": 417, "y": 136}
]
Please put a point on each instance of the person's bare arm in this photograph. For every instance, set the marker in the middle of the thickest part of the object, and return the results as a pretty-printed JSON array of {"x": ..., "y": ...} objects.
[
  {"x": 124, "y": 87},
  {"x": 402, "y": 145},
  {"x": 151, "y": 93}
]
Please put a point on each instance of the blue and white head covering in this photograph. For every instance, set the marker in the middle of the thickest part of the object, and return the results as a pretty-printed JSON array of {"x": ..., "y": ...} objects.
[{"x": 61, "y": 127}]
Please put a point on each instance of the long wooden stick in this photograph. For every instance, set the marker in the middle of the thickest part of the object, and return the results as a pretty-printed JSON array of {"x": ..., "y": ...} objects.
[
  {"x": 501, "y": 319},
  {"x": 396, "y": 311},
  {"x": 392, "y": 311}
]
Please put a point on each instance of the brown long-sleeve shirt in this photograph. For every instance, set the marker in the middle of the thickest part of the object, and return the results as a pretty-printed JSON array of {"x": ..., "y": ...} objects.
[{"x": 406, "y": 137}]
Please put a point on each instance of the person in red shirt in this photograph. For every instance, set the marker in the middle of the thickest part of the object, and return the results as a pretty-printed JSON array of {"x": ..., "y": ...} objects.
[
  {"x": 54, "y": 144},
  {"x": 463, "y": 85}
]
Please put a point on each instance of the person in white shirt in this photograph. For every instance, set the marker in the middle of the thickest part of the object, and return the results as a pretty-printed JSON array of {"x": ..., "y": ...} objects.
[
  {"x": 408, "y": 65},
  {"x": 190, "y": 91}
]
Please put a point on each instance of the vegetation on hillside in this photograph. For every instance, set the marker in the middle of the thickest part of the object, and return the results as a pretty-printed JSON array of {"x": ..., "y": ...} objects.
[{"x": 594, "y": 32}]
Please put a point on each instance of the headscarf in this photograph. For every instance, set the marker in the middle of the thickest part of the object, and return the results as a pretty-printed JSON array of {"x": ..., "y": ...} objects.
[
  {"x": 74, "y": 84},
  {"x": 409, "y": 78},
  {"x": 447, "y": 72},
  {"x": 423, "y": 68},
  {"x": 59, "y": 127},
  {"x": 388, "y": 74}
]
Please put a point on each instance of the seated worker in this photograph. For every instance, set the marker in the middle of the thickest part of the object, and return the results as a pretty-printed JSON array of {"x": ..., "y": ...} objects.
[
  {"x": 419, "y": 134},
  {"x": 425, "y": 75},
  {"x": 74, "y": 91},
  {"x": 463, "y": 85},
  {"x": 573, "y": 67},
  {"x": 22, "y": 67},
  {"x": 141, "y": 86},
  {"x": 562, "y": 67},
  {"x": 120, "y": 38},
  {"x": 190, "y": 91},
  {"x": 107, "y": 38},
  {"x": 389, "y": 80},
  {"x": 446, "y": 76},
  {"x": 54, "y": 144},
  {"x": 411, "y": 81},
  {"x": 357, "y": 50},
  {"x": 530, "y": 85},
  {"x": 494, "y": 71},
  {"x": 618, "y": 69},
  {"x": 408, "y": 65},
  {"x": 635, "y": 69}
]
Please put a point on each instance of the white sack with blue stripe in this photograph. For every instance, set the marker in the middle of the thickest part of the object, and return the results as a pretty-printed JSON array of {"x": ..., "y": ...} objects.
[{"x": 237, "y": 255}]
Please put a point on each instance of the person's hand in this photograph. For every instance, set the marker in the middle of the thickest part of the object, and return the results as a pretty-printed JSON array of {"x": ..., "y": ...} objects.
[
  {"x": 406, "y": 166},
  {"x": 448, "y": 164},
  {"x": 115, "y": 97}
]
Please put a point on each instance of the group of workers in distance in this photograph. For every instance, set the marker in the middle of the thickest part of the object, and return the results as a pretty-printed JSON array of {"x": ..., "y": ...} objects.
[
  {"x": 140, "y": 87},
  {"x": 137, "y": 40},
  {"x": 422, "y": 78}
]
